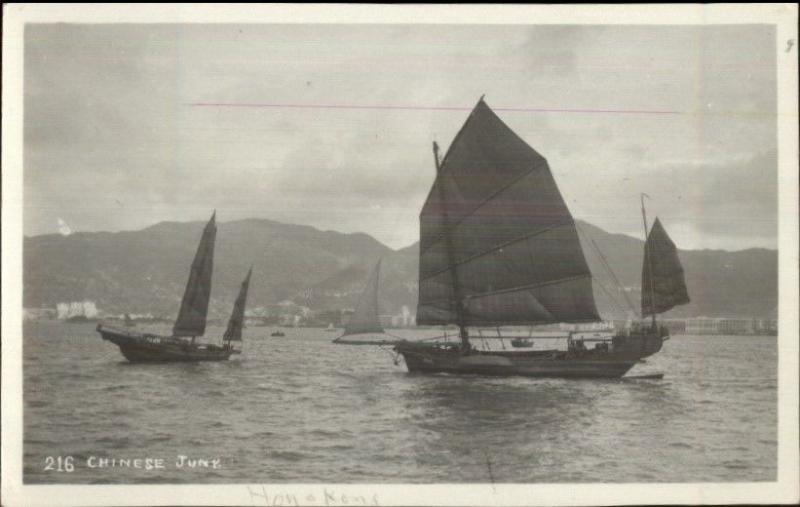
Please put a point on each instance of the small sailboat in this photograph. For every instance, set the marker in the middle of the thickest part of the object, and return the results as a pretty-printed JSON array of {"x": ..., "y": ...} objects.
[
  {"x": 129, "y": 321},
  {"x": 191, "y": 322},
  {"x": 499, "y": 247},
  {"x": 330, "y": 328},
  {"x": 365, "y": 320}
]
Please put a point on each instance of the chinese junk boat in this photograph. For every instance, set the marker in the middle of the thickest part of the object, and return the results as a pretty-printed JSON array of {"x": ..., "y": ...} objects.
[
  {"x": 191, "y": 322},
  {"x": 499, "y": 247}
]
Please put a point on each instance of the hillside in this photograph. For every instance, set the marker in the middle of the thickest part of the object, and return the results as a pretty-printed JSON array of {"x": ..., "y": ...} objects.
[{"x": 145, "y": 271}]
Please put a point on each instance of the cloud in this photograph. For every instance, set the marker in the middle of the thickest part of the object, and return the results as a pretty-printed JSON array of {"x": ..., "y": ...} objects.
[
  {"x": 729, "y": 204},
  {"x": 107, "y": 111},
  {"x": 737, "y": 198}
]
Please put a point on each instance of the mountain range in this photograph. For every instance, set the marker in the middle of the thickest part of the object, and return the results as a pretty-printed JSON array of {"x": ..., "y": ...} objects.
[{"x": 145, "y": 271}]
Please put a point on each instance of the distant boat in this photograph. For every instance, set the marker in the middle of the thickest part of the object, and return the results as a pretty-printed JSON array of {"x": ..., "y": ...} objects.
[
  {"x": 191, "y": 322},
  {"x": 330, "y": 328},
  {"x": 499, "y": 247},
  {"x": 521, "y": 342},
  {"x": 129, "y": 321},
  {"x": 365, "y": 320},
  {"x": 278, "y": 333}
]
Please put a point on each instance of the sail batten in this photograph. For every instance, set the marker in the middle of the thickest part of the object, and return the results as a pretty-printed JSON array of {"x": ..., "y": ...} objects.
[
  {"x": 191, "y": 319},
  {"x": 494, "y": 249},
  {"x": 365, "y": 318},
  {"x": 663, "y": 282},
  {"x": 496, "y": 225},
  {"x": 464, "y": 216},
  {"x": 236, "y": 322},
  {"x": 526, "y": 287}
]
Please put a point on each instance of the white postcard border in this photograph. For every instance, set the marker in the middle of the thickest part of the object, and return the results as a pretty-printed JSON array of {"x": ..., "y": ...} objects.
[{"x": 784, "y": 490}]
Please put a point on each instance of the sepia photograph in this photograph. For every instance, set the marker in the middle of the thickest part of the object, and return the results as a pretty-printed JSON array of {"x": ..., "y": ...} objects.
[{"x": 399, "y": 255}]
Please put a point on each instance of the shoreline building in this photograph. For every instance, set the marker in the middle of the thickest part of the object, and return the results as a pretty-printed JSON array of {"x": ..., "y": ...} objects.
[
  {"x": 76, "y": 309},
  {"x": 730, "y": 326}
]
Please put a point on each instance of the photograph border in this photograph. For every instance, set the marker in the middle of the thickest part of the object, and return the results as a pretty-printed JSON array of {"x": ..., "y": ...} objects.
[{"x": 784, "y": 490}]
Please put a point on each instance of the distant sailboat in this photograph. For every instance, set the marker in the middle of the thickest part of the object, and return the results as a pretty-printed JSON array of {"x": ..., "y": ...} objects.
[
  {"x": 191, "y": 322},
  {"x": 366, "y": 317},
  {"x": 499, "y": 247}
]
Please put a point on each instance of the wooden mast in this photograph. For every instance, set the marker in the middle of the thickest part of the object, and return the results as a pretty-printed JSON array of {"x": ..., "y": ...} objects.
[
  {"x": 649, "y": 262},
  {"x": 462, "y": 328}
]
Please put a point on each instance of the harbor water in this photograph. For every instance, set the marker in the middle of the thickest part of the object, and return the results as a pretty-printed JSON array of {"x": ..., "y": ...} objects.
[{"x": 301, "y": 409}]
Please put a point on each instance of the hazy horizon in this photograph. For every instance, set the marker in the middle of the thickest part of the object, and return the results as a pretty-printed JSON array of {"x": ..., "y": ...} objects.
[
  {"x": 331, "y": 125},
  {"x": 395, "y": 249}
]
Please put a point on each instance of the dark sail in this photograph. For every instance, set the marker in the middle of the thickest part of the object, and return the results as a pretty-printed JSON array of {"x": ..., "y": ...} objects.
[
  {"x": 365, "y": 318},
  {"x": 496, "y": 217},
  {"x": 663, "y": 284},
  {"x": 194, "y": 307},
  {"x": 236, "y": 322}
]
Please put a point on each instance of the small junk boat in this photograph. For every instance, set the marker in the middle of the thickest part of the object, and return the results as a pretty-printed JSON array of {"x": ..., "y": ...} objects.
[
  {"x": 499, "y": 247},
  {"x": 330, "y": 329},
  {"x": 278, "y": 333},
  {"x": 191, "y": 322},
  {"x": 519, "y": 342}
]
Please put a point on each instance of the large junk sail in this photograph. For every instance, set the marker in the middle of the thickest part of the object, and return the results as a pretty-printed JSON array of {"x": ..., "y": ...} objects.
[
  {"x": 365, "y": 318},
  {"x": 663, "y": 283},
  {"x": 496, "y": 234},
  {"x": 236, "y": 322},
  {"x": 194, "y": 307}
]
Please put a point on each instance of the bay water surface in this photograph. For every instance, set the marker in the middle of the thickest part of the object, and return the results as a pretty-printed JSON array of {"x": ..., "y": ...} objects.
[{"x": 301, "y": 409}]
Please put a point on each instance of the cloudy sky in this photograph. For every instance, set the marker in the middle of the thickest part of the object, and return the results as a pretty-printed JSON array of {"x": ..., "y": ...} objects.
[{"x": 331, "y": 126}]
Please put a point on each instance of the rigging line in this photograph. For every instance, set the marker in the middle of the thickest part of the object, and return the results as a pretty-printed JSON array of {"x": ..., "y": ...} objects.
[
  {"x": 611, "y": 296},
  {"x": 607, "y": 266},
  {"x": 614, "y": 276},
  {"x": 516, "y": 289},
  {"x": 480, "y": 335},
  {"x": 387, "y": 333},
  {"x": 502, "y": 342},
  {"x": 620, "y": 288},
  {"x": 454, "y": 280},
  {"x": 648, "y": 255},
  {"x": 495, "y": 248},
  {"x": 536, "y": 165}
]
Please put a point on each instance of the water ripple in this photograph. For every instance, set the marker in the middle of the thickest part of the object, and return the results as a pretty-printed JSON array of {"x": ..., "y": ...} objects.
[{"x": 301, "y": 409}]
